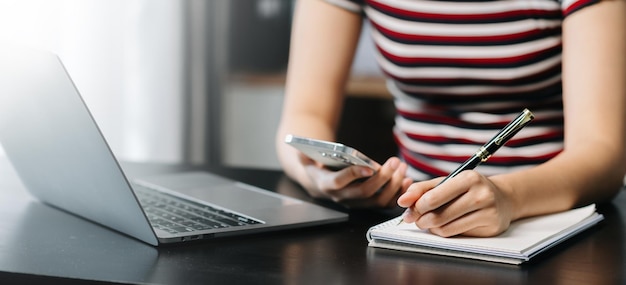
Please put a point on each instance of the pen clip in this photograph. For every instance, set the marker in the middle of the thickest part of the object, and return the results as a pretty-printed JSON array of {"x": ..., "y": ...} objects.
[{"x": 514, "y": 126}]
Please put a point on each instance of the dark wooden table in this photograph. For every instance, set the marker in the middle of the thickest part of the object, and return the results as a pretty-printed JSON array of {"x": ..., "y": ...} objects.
[{"x": 43, "y": 245}]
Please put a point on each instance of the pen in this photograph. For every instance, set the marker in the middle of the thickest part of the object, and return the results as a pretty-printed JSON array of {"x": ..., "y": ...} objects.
[{"x": 490, "y": 147}]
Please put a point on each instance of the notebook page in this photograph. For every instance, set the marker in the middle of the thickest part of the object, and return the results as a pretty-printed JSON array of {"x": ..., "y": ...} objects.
[{"x": 521, "y": 236}]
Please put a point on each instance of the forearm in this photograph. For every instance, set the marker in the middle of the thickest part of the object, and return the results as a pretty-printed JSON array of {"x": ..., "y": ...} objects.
[
  {"x": 591, "y": 167},
  {"x": 324, "y": 38},
  {"x": 573, "y": 178}
]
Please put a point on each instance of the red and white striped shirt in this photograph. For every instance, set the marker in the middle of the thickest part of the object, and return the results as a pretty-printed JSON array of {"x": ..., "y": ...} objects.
[{"x": 461, "y": 70}]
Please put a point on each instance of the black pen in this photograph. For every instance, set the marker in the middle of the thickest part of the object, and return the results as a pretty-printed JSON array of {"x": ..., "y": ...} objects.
[{"x": 491, "y": 146}]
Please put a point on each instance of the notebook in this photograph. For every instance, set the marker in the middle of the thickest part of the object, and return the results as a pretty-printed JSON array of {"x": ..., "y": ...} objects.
[
  {"x": 59, "y": 153},
  {"x": 523, "y": 240}
]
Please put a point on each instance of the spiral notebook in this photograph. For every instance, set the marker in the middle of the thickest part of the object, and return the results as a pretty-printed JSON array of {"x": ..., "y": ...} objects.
[{"x": 523, "y": 240}]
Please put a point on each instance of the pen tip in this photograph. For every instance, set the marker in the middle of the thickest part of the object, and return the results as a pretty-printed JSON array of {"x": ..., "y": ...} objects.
[{"x": 404, "y": 214}]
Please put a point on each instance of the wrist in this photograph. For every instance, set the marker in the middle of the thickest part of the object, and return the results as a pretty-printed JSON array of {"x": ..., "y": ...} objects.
[{"x": 513, "y": 197}]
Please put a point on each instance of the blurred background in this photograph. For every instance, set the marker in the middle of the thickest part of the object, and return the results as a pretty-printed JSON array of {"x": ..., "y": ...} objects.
[{"x": 187, "y": 81}]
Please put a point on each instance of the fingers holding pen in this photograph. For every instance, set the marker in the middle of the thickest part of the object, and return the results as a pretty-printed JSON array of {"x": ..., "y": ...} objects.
[
  {"x": 432, "y": 200},
  {"x": 468, "y": 204},
  {"x": 413, "y": 194}
]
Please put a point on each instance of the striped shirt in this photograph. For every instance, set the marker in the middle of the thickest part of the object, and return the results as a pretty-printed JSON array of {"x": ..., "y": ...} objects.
[{"x": 461, "y": 70}]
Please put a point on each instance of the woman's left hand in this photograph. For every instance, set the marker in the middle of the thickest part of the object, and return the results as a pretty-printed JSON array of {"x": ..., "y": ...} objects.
[{"x": 469, "y": 204}]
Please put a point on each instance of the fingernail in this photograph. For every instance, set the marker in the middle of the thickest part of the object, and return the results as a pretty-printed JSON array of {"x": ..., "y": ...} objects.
[
  {"x": 394, "y": 163},
  {"x": 406, "y": 214},
  {"x": 367, "y": 172}
]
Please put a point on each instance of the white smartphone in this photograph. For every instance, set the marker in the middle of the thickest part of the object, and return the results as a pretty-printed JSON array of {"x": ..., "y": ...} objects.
[{"x": 332, "y": 155}]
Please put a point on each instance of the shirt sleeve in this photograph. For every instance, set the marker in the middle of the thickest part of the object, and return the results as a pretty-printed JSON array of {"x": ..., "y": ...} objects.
[
  {"x": 570, "y": 6},
  {"x": 567, "y": 6},
  {"x": 355, "y": 6}
]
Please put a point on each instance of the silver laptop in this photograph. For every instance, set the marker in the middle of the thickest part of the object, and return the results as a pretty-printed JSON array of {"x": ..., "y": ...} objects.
[{"x": 57, "y": 149}]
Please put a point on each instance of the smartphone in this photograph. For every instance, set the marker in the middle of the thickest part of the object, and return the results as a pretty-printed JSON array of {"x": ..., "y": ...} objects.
[{"x": 333, "y": 155}]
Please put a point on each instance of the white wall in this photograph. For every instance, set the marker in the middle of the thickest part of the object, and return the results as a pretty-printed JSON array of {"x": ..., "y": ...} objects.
[{"x": 126, "y": 58}]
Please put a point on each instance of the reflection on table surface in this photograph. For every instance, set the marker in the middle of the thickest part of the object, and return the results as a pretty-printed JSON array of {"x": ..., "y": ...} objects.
[{"x": 43, "y": 241}]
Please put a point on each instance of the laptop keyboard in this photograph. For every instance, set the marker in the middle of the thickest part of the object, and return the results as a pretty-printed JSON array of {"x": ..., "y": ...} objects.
[{"x": 176, "y": 215}]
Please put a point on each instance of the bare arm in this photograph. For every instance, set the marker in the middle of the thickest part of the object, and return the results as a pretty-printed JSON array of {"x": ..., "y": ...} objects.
[
  {"x": 324, "y": 40},
  {"x": 592, "y": 165},
  {"x": 323, "y": 43}
]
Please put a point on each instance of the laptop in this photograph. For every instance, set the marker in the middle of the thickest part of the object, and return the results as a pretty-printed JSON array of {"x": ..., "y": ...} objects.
[{"x": 59, "y": 153}]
